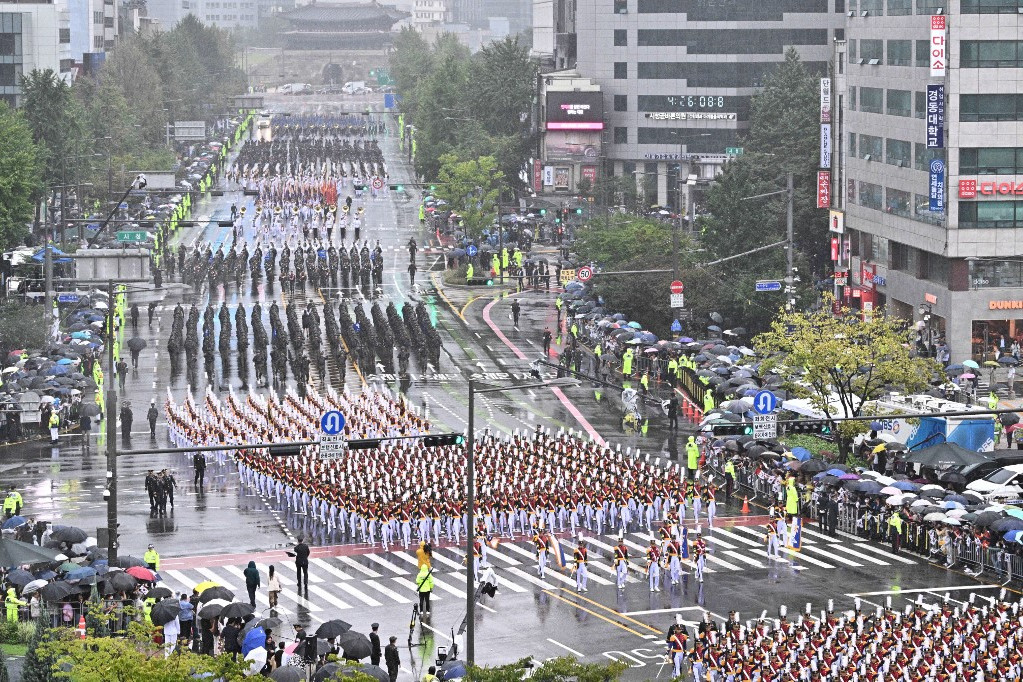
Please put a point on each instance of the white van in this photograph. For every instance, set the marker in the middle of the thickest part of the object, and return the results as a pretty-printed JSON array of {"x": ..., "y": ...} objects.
[
  {"x": 1001, "y": 485},
  {"x": 355, "y": 88}
]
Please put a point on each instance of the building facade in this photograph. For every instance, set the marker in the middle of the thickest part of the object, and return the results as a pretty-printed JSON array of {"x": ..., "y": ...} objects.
[
  {"x": 93, "y": 28},
  {"x": 679, "y": 75},
  {"x": 572, "y": 128},
  {"x": 32, "y": 36},
  {"x": 931, "y": 173}
]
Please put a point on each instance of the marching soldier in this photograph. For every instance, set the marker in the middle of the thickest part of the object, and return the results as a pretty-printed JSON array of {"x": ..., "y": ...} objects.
[
  {"x": 621, "y": 561},
  {"x": 581, "y": 556},
  {"x": 653, "y": 565},
  {"x": 677, "y": 638},
  {"x": 699, "y": 556},
  {"x": 540, "y": 542},
  {"x": 771, "y": 538}
]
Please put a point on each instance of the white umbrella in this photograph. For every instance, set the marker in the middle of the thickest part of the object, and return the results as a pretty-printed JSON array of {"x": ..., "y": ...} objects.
[
  {"x": 921, "y": 503},
  {"x": 870, "y": 474},
  {"x": 885, "y": 480},
  {"x": 951, "y": 522},
  {"x": 890, "y": 491},
  {"x": 957, "y": 513},
  {"x": 894, "y": 500},
  {"x": 258, "y": 659},
  {"x": 931, "y": 486},
  {"x": 34, "y": 586},
  {"x": 935, "y": 516}
]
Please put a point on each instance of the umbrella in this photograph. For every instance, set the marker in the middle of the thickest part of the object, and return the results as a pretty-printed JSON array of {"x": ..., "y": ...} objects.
[
  {"x": 895, "y": 500},
  {"x": 1007, "y": 524},
  {"x": 16, "y": 553},
  {"x": 986, "y": 518},
  {"x": 68, "y": 534},
  {"x": 20, "y": 577},
  {"x": 90, "y": 410},
  {"x": 213, "y": 608},
  {"x": 951, "y": 521},
  {"x": 889, "y": 490},
  {"x": 119, "y": 581},
  {"x": 327, "y": 672},
  {"x": 1009, "y": 418},
  {"x": 80, "y": 574},
  {"x": 813, "y": 466},
  {"x": 137, "y": 344},
  {"x": 333, "y": 628},
  {"x": 205, "y": 585},
  {"x": 237, "y": 610},
  {"x": 143, "y": 574},
  {"x": 1014, "y": 536},
  {"x": 934, "y": 516},
  {"x": 452, "y": 670},
  {"x": 14, "y": 522},
  {"x": 381, "y": 675},
  {"x": 256, "y": 658},
  {"x": 165, "y": 611},
  {"x": 288, "y": 673},
  {"x": 215, "y": 592},
  {"x": 959, "y": 499},
  {"x": 56, "y": 591},
  {"x": 128, "y": 561},
  {"x": 905, "y": 486},
  {"x": 34, "y": 586},
  {"x": 946, "y": 455},
  {"x": 255, "y": 638},
  {"x": 355, "y": 645},
  {"x": 158, "y": 592},
  {"x": 802, "y": 454},
  {"x": 270, "y": 623},
  {"x": 1008, "y": 360}
]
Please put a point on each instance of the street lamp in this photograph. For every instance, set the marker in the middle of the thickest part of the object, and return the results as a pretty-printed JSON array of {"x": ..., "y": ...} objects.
[
  {"x": 926, "y": 310},
  {"x": 470, "y": 475}
]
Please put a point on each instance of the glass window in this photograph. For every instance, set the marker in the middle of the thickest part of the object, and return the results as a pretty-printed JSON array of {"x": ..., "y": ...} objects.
[
  {"x": 896, "y": 201},
  {"x": 990, "y": 214},
  {"x": 900, "y": 53},
  {"x": 935, "y": 267},
  {"x": 922, "y": 210},
  {"x": 923, "y": 53},
  {"x": 621, "y": 102},
  {"x": 973, "y": 108},
  {"x": 870, "y": 146},
  {"x": 870, "y": 195},
  {"x": 621, "y": 6},
  {"x": 621, "y": 135},
  {"x": 871, "y": 49},
  {"x": 851, "y": 49},
  {"x": 899, "y": 153},
  {"x": 900, "y": 8},
  {"x": 852, "y": 145},
  {"x": 930, "y": 6},
  {"x": 990, "y": 6},
  {"x": 621, "y": 37},
  {"x": 621, "y": 70},
  {"x": 991, "y": 161},
  {"x": 872, "y": 100},
  {"x": 875, "y": 7},
  {"x": 878, "y": 248},
  {"x": 899, "y": 103},
  {"x": 986, "y": 54},
  {"x": 989, "y": 274},
  {"x": 923, "y": 156},
  {"x": 852, "y": 98}
]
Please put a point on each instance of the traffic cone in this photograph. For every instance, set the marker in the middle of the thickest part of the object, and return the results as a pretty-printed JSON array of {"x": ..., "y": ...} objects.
[
  {"x": 745, "y": 505},
  {"x": 81, "y": 627}
]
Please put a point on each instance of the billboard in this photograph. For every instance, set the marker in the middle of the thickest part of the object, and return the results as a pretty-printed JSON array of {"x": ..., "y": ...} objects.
[
  {"x": 935, "y": 115},
  {"x": 939, "y": 59},
  {"x": 575, "y": 111}
]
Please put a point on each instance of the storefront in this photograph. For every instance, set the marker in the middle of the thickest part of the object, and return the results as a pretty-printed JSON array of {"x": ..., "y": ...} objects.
[{"x": 991, "y": 338}]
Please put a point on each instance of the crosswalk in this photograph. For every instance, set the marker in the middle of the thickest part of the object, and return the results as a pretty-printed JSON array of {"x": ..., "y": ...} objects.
[{"x": 387, "y": 579}]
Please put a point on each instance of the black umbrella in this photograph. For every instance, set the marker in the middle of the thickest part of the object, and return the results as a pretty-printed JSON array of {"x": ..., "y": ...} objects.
[
  {"x": 1007, "y": 524},
  {"x": 327, "y": 672},
  {"x": 237, "y": 610},
  {"x": 57, "y": 591},
  {"x": 68, "y": 534},
  {"x": 137, "y": 344},
  {"x": 270, "y": 623},
  {"x": 322, "y": 647},
  {"x": 16, "y": 553},
  {"x": 954, "y": 478},
  {"x": 333, "y": 628},
  {"x": 356, "y": 646},
  {"x": 288, "y": 673},
  {"x": 127, "y": 561},
  {"x": 156, "y": 593},
  {"x": 988, "y": 517},
  {"x": 165, "y": 611},
  {"x": 1009, "y": 418},
  {"x": 813, "y": 466},
  {"x": 211, "y": 611},
  {"x": 216, "y": 592},
  {"x": 20, "y": 577},
  {"x": 946, "y": 455},
  {"x": 374, "y": 671}
]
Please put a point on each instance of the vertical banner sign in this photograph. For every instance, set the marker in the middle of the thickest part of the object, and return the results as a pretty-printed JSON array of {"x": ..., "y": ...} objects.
[
  {"x": 937, "y": 186},
  {"x": 825, "y": 100},
  {"x": 825, "y": 145},
  {"x": 939, "y": 56},
  {"x": 548, "y": 176},
  {"x": 836, "y": 222},
  {"x": 823, "y": 189},
  {"x": 834, "y": 248},
  {"x": 935, "y": 115},
  {"x": 537, "y": 176}
]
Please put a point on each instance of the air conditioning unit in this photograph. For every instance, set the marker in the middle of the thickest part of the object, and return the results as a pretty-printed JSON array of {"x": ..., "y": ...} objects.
[{"x": 874, "y": 62}]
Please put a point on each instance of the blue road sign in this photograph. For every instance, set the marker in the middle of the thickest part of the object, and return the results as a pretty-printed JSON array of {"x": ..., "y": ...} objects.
[
  {"x": 357, "y": 327},
  {"x": 471, "y": 250},
  {"x": 768, "y": 285},
  {"x": 676, "y": 326},
  {"x": 765, "y": 402},
  {"x": 67, "y": 298},
  {"x": 332, "y": 423}
]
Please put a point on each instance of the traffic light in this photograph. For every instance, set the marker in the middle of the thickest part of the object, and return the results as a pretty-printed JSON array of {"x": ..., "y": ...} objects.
[
  {"x": 286, "y": 450},
  {"x": 433, "y": 188},
  {"x": 813, "y": 426},
  {"x": 543, "y": 211},
  {"x": 396, "y": 188},
  {"x": 361, "y": 188},
  {"x": 365, "y": 444},
  {"x": 579, "y": 211},
  {"x": 443, "y": 439},
  {"x": 733, "y": 429}
]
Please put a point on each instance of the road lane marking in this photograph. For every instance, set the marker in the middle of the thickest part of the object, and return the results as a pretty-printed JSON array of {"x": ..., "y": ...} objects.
[
  {"x": 566, "y": 648},
  {"x": 369, "y": 573},
  {"x": 619, "y": 614},
  {"x": 594, "y": 613}
]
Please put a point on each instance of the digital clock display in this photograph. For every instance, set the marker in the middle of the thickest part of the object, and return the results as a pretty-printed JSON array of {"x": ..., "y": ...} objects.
[
  {"x": 695, "y": 102},
  {"x": 708, "y": 103}
]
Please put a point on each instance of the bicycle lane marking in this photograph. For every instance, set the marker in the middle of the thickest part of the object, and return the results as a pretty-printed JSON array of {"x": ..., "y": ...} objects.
[{"x": 569, "y": 405}]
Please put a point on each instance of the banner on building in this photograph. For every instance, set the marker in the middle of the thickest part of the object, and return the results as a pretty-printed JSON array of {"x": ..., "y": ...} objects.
[
  {"x": 590, "y": 173},
  {"x": 939, "y": 56},
  {"x": 825, "y": 145},
  {"x": 823, "y": 189},
  {"x": 537, "y": 176},
  {"x": 825, "y": 100},
  {"x": 836, "y": 222},
  {"x": 937, "y": 186},
  {"x": 548, "y": 176},
  {"x": 935, "y": 115}
]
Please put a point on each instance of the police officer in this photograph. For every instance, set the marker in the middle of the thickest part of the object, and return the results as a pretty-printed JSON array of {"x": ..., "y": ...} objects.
[
  {"x": 152, "y": 558},
  {"x": 152, "y": 416},
  {"x": 692, "y": 457}
]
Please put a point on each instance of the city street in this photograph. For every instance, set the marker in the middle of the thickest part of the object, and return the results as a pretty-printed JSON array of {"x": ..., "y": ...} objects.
[{"x": 212, "y": 532}]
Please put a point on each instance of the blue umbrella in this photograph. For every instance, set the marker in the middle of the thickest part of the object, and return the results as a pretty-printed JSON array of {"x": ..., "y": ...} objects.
[
  {"x": 1014, "y": 536},
  {"x": 80, "y": 573},
  {"x": 685, "y": 339},
  {"x": 253, "y": 640},
  {"x": 65, "y": 361},
  {"x": 835, "y": 472},
  {"x": 906, "y": 486},
  {"x": 14, "y": 522},
  {"x": 802, "y": 454},
  {"x": 20, "y": 577}
]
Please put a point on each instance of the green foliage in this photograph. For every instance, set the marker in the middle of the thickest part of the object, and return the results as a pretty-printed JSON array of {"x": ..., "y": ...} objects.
[
  {"x": 564, "y": 669},
  {"x": 20, "y": 177},
  {"x": 815, "y": 445},
  {"x": 784, "y": 137},
  {"x": 56, "y": 122},
  {"x": 132, "y": 658},
  {"x": 841, "y": 363},
  {"x": 8, "y": 632},
  {"x": 469, "y": 105},
  {"x": 5, "y": 676},
  {"x": 22, "y": 326},
  {"x": 37, "y": 664},
  {"x": 351, "y": 675},
  {"x": 472, "y": 189}
]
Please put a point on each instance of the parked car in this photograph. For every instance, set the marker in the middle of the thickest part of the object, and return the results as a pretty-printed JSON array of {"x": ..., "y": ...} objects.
[{"x": 1000, "y": 485}]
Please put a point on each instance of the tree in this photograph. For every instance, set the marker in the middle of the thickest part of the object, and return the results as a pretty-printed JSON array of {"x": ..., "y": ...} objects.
[
  {"x": 56, "y": 122},
  {"x": 22, "y": 326},
  {"x": 132, "y": 658},
  {"x": 841, "y": 363},
  {"x": 472, "y": 189},
  {"x": 38, "y": 665},
  {"x": 566, "y": 669},
  {"x": 20, "y": 177}
]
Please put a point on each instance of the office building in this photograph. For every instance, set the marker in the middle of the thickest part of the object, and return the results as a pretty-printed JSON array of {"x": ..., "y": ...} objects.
[
  {"x": 678, "y": 74},
  {"x": 930, "y": 177},
  {"x": 34, "y": 35},
  {"x": 93, "y": 30}
]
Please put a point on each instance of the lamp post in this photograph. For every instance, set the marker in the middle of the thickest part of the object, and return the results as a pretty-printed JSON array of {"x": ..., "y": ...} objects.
[
  {"x": 470, "y": 495},
  {"x": 926, "y": 310}
]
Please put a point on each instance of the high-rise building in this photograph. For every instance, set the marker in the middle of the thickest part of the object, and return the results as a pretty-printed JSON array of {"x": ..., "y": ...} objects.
[
  {"x": 930, "y": 143},
  {"x": 679, "y": 75},
  {"x": 33, "y": 35},
  {"x": 93, "y": 28}
]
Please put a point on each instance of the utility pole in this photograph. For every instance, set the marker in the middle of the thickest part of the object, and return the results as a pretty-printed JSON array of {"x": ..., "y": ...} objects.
[
  {"x": 111, "y": 425},
  {"x": 789, "y": 229}
]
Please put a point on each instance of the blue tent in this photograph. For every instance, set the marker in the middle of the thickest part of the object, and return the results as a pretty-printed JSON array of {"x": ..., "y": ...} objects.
[{"x": 57, "y": 255}]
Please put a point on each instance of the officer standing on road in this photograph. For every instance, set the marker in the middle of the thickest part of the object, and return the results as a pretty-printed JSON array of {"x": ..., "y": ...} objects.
[
  {"x": 546, "y": 342},
  {"x": 374, "y": 642},
  {"x": 673, "y": 412},
  {"x": 391, "y": 658},
  {"x": 199, "y": 462},
  {"x": 412, "y": 272},
  {"x": 301, "y": 554},
  {"x": 126, "y": 419},
  {"x": 152, "y": 416},
  {"x": 516, "y": 309},
  {"x": 692, "y": 457},
  {"x": 152, "y": 558}
]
